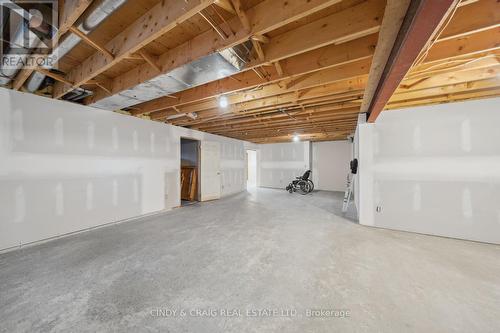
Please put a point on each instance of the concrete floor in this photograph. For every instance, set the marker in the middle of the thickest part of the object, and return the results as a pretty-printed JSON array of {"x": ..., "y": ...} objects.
[{"x": 254, "y": 251}]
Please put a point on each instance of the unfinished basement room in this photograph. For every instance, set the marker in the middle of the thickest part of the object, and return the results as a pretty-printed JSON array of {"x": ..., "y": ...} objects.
[{"x": 250, "y": 166}]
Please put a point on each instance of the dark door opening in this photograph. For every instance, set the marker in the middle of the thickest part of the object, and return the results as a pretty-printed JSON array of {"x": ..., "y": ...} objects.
[{"x": 190, "y": 171}]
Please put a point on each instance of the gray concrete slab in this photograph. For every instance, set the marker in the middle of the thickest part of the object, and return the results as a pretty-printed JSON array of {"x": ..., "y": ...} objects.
[{"x": 257, "y": 251}]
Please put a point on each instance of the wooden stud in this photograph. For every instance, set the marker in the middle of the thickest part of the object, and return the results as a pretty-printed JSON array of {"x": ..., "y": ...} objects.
[
  {"x": 55, "y": 76},
  {"x": 258, "y": 50},
  {"x": 150, "y": 59},
  {"x": 21, "y": 77},
  {"x": 92, "y": 43},
  {"x": 278, "y": 67}
]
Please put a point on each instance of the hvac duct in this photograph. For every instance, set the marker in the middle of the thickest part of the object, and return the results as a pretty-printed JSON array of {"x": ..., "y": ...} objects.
[
  {"x": 209, "y": 68},
  {"x": 88, "y": 23}
]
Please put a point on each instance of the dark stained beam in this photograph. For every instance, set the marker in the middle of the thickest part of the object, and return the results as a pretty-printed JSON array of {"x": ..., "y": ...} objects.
[{"x": 422, "y": 21}]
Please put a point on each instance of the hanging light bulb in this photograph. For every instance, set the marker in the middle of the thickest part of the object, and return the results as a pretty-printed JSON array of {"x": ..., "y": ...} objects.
[{"x": 296, "y": 138}]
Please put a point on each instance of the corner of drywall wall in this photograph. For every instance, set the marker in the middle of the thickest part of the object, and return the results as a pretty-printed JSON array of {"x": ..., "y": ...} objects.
[
  {"x": 355, "y": 155},
  {"x": 364, "y": 180}
]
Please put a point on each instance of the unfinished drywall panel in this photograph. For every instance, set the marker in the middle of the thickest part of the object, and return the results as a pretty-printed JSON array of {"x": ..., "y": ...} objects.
[
  {"x": 434, "y": 170},
  {"x": 251, "y": 168},
  {"x": 232, "y": 158},
  {"x": 280, "y": 163},
  {"x": 66, "y": 167},
  {"x": 330, "y": 164}
]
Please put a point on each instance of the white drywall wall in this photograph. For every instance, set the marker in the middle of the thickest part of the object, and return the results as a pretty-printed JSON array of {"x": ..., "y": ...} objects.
[
  {"x": 252, "y": 168},
  {"x": 330, "y": 164},
  {"x": 433, "y": 170},
  {"x": 66, "y": 167},
  {"x": 355, "y": 150},
  {"x": 279, "y": 163}
]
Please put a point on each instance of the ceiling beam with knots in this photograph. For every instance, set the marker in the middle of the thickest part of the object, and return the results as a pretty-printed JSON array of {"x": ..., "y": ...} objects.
[{"x": 241, "y": 15}]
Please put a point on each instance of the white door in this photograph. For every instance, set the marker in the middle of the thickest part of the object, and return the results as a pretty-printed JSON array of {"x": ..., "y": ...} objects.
[{"x": 210, "y": 170}]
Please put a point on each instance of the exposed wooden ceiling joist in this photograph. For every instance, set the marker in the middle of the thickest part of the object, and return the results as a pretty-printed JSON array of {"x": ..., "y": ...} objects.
[
  {"x": 326, "y": 57},
  {"x": 308, "y": 67},
  {"x": 210, "y": 41},
  {"x": 139, "y": 33}
]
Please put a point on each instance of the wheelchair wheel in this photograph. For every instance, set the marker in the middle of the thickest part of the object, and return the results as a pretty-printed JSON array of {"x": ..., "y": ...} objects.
[
  {"x": 303, "y": 187},
  {"x": 311, "y": 185}
]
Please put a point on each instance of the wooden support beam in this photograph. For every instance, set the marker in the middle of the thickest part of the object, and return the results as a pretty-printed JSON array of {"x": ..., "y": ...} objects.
[
  {"x": 456, "y": 65},
  {"x": 475, "y": 17},
  {"x": 92, "y": 43},
  {"x": 258, "y": 50},
  {"x": 333, "y": 92},
  {"x": 333, "y": 110},
  {"x": 328, "y": 56},
  {"x": 421, "y": 22},
  {"x": 103, "y": 83},
  {"x": 450, "y": 96},
  {"x": 423, "y": 94},
  {"x": 210, "y": 41},
  {"x": 214, "y": 26},
  {"x": 350, "y": 76},
  {"x": 71, "y": 12},
  {"x": 347, "y": 25},
  {"x": 278, "y": 67},
  {"x": 150, "y": 59},
  {"x": 260, "y": 38},
  {"x": 226, "y": 5},
  {"x": 139, "y": 33},
  {"x": 335, "y": 102},
  {"x": 469, "y": 45},
  {"x": 395, "y": 11},
  {"x": 21, "y": 77},
  {"x": 455, "y": 77},
  {"x": 55, "y": 76},
  {"x": 242, "y": 15}
]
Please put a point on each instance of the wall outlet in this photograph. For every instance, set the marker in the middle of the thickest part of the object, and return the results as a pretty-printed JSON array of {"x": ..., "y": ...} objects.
[{"x": 378, "y": 209}]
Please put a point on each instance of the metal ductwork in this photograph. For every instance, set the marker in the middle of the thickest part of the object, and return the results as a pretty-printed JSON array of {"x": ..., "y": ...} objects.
[
  {"x": 77, "y": 94},
  {"x": 210, "y": 68},
  {"x": 19, "y": 55},
  {"x": 89, "y": 22}
]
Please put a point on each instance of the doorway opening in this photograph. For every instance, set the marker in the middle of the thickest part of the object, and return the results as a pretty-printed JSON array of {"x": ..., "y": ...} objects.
[
  {"x": 251, "y": 168},
  {"x": 190, "y": 171}
]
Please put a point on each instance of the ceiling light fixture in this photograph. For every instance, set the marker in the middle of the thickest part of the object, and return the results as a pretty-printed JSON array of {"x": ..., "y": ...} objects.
[
  {"x": 296, "y": 138},
  {"x": 223, "y": 102}
]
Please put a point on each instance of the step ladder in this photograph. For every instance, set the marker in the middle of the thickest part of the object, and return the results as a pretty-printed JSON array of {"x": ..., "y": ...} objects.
[{"x": 348, "y": 193}]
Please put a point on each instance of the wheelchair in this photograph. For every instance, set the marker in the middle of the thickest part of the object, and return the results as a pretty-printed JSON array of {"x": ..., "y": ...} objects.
[{"x": 302, "y": 184}]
